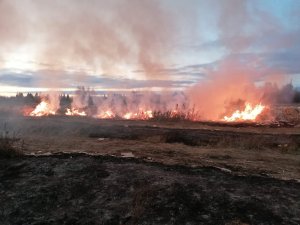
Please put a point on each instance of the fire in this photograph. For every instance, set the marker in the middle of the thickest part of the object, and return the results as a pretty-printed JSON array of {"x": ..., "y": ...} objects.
[
  {"x": 141, "y": 115},
  {"x": 42, "y": 109},
  {"x": 106, "y": 115},
  {"x": 129, "y": 115},
  {"x": 75, "y": 112},
  {"x": 250, "y": 113},
  {"x": 148, "y": 114},
  {"x": 45, "y": 108}
]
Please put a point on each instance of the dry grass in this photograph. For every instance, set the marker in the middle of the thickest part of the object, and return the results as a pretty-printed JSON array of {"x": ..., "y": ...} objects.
[
  {"x": 141, "y": 200},
  {"x": 7, "y": 148},
  {"x": 10, "y": 146},
  {"x": 237, "y": 140},
  {"x": 290, "y": 114},
  {"x": 174, "y": 116}
]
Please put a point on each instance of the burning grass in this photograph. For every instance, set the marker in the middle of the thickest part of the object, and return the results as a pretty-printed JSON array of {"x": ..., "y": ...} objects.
[
  {"x": 138, "y": 106},
  {"x": 249, "y": 114},
  {"x": 161, "y": 107}
]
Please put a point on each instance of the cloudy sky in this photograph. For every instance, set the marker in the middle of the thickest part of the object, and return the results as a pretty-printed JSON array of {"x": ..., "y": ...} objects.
[{"x": 143, "y": 44}]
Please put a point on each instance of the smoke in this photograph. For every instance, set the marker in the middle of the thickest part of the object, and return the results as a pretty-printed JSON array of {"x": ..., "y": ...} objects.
[
  {"x": 231, "y": 84},
  {"x": 234, "y": 80},
  {"x": 118, "y": 104},
  {"x": 12, "y": 31},
  {"x": 232, "y": 24},
  {"x": 227, "y": 84},
  {"x": 99, "y": 36},
  {"x": 112, "y": 37}
]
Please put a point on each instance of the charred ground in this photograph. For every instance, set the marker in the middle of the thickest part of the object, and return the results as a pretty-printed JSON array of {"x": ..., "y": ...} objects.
[
  {"x": 80, "y": 189},
  {"x": 150, "y": 172}
]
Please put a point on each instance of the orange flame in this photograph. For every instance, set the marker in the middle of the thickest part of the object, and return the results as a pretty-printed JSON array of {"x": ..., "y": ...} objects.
[
  {"x": 75, "y": 112},
  {"x": 106, "y": 115},
  {"x": 141, "y": 115},
  {"x": 249, "y": 114},
  {"x": 42, "y": 109}
]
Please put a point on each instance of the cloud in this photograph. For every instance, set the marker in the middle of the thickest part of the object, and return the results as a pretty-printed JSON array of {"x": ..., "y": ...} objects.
[
  {"x": 146, "y": 37},
  {"x": 288, "y": 62},
  {"x": 16, "y": 79},
  {"x": 98, "y": 34},
  {"x": 8, "y": 78}
]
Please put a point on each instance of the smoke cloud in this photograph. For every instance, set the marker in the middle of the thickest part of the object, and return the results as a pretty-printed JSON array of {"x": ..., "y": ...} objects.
[
  {"x": 113, "y": 37},
  {"x": 97, "y": 35},
  {"x": 228, "y": 84}
]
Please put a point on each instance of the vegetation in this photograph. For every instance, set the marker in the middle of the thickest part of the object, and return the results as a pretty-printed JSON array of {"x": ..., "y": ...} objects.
[
  {"x": 10, "y": 146},
  {"x": 174, "y": 116}
]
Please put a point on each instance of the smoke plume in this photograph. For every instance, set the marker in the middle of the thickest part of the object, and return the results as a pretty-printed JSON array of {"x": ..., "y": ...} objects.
[
  {"x": 113, "y": 37},
  {"x": 99, "y": 36}
]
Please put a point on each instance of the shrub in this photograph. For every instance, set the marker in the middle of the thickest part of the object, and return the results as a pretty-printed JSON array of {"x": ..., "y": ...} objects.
[{"x": 10, "y": 146}]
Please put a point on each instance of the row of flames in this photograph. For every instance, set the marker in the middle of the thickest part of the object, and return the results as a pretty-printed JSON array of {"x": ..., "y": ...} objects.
[
  {"x": 45, "y": 109},
  {"x": 250, "y": 113}
]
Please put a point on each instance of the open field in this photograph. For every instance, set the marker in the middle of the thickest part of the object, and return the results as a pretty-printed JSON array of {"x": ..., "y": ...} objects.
[{"x": 150, "y": 172}]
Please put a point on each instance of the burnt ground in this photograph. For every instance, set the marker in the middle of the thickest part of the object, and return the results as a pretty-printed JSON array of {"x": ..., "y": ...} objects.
[
  {"x": 150, "y": 172},
  {"x": 81, "y": 189}
]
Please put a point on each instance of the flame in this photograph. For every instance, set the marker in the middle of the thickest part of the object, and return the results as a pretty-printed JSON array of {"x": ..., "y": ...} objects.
[
  {"x": 129, "y": 115},
  {"x": 42, "y": 109},
  {"x": 75, "y": 112},
  {"x": 141, "y": 115},
  {"x": 249, "y": 114},
  {"x": 106, "y": 115}
]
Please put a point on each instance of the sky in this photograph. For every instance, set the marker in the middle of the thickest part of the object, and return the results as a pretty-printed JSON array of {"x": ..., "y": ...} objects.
[{"x": 143, "y": 44}]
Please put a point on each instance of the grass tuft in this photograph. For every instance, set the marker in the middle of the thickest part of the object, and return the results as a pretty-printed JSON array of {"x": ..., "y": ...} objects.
[{"x": 10, "y": 146}]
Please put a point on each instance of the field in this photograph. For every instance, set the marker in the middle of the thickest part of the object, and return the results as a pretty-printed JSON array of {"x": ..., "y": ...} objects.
[{"x": 87, "y": 171}]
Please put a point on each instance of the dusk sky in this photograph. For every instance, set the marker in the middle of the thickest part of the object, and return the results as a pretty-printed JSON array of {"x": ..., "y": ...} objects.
[{"x": 143, "y": 44}]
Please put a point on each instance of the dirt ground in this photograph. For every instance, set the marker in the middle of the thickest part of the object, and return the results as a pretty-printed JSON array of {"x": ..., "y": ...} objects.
[
  {"x": 150, "y": 172},
  {"x": 80, "y": 189}
]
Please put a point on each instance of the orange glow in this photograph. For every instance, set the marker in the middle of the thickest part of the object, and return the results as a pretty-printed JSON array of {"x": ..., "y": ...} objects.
[
  {"x": 106, "y": 115},
  {"x": 75, "y": 112},
  {"x": 250, "y": 113},
  {"x": 129, "y": 115},
  {"x": 141, "y": 115},
  {"x": 42, "y": 109}
]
